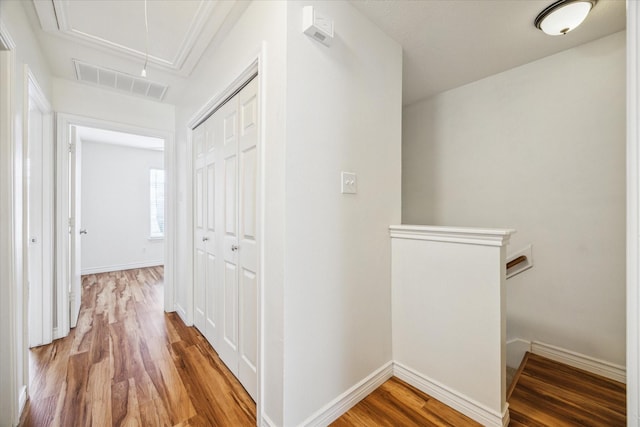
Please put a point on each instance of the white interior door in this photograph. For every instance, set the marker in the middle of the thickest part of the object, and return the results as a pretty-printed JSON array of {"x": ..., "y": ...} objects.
[
  {"x": 228, "y": 119},
  {"x": 205, "y": 292},
  {"x": 75, "y": 227},
  {"x": 200, "y": 237},
  {"x": 211, "y": 247},
  {"x": 38, "y": 213},
  {"x": 225, "y": 235},
  {"x": 34, "y": 211}
]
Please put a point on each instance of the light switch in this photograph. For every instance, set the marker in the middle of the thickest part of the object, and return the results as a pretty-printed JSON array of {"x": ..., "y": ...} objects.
[{"x": 349, "y": 183}]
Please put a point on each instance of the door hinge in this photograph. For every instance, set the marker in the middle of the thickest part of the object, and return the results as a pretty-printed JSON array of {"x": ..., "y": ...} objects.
[{"x": 71, "y": 147}]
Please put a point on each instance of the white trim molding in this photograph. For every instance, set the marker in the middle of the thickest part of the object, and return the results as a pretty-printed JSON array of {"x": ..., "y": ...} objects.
[
  {"x": 633, "y": 214},
  {"x": 266, "y": 422},
  {"x": 10, "y": 399},
  {"x": 580, "y": 361},
  {"x": 347, "y": 400},
  {"x": 467, "y": 235},
  {"x": 119, "y": 267},
  {"x": 452, "y": 398},
  {"x": 6, "y": 41}
]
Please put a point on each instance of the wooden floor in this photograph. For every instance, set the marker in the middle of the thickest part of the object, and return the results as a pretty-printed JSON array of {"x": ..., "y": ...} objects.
[
  {"x": 127, "y": 363},
  {"x": 396, "y": 403},
  {"x": 548, "y": 393}
]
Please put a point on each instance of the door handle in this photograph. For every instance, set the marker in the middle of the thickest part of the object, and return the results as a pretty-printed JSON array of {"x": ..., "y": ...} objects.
[
  {"x": 205, "y": 238},
  {"x": 83, "y": 231},
  {"x": 234, "y": 248}
]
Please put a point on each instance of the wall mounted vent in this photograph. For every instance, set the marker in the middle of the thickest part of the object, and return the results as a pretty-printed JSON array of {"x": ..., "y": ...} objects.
[{"x": 119, "y": 81}]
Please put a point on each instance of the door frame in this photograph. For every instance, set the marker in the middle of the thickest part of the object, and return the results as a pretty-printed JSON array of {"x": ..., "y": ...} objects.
[
  {"x": 12, "y": 399},
  {"x": 633, "y": 214},
  {"x": 32, "y": 90},
  {"x": 64, "y": 122},
  {"x": 255, "y": 69}
]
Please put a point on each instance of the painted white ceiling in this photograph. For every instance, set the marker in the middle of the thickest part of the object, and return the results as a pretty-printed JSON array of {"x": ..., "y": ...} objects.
[
  {"x": 111, "y": 34},
  {"x": 105, "y": 136},
  {"x": 446, "y": 43},
  {"x": 449, "y": 43}
]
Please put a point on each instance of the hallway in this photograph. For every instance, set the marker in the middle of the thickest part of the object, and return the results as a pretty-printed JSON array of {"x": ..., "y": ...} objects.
[{"x": 129, "y": 363}]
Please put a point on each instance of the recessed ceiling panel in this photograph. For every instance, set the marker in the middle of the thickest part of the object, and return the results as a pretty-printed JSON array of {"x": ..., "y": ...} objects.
[
  {"x": 179, "y": 30},
  {"x": 121, "y": 24}
]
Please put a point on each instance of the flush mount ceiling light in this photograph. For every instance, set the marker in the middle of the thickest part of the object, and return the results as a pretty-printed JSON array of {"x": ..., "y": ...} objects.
[{"x": 563, "y": 16}]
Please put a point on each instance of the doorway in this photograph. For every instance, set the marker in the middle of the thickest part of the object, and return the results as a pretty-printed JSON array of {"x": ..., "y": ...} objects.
[{"x": 127, "y": 169}]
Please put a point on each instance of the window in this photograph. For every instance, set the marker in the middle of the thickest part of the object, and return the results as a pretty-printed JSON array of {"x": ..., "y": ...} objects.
[{"x": 156, "y": 187}]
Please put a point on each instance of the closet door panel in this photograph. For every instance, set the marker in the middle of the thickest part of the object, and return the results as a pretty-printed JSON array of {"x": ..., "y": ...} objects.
[
  {"x": 199, "y": 221},
  {"x": 247, "y": 236}
]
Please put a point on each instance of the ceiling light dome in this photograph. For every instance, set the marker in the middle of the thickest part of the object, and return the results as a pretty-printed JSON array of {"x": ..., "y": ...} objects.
[{"x": 563, "y": 16}]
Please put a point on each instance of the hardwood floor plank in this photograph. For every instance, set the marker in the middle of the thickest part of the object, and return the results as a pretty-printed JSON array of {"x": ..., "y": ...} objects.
[
  {"x": 549, "y": 393},
  {"x": 175, "y": 398},
  {"x": 41, "y": 413},
  {"x": 74, "y": 409},
  {"x": 396, "y": 403},
  {"x": 234, "y": 408},
  {"x": 51, "y": 369},
  {"x": 128, "y": 363},
  {"x": 99, "y": 392}
]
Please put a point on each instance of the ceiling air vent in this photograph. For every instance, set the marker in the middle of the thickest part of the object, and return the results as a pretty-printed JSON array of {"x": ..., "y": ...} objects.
[{"x": 119, "y": 81}]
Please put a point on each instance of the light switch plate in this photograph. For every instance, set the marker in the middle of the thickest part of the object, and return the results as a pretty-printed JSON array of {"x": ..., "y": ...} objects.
[{"x": 349, "y": 183}]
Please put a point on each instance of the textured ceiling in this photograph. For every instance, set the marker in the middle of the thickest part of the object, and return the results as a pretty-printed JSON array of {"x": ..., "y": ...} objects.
[
  {"x": 446, "y": 43},
  {"x": 449, "y": 43}
]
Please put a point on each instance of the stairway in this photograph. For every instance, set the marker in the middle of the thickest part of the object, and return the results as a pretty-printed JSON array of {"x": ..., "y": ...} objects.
[{"x": 549, "y": 393}]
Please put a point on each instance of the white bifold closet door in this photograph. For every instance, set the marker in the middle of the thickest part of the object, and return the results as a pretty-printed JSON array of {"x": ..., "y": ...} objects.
[{"x": 226, "y": 250}]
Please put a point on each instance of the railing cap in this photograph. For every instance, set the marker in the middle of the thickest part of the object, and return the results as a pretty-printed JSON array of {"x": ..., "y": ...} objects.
[{"x": 466, "y": 235}]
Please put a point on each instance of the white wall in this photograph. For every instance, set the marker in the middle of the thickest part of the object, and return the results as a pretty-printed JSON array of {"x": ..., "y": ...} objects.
[
  {"x": 14, "y": 369},
  {"x": 539, "y": 148},
  {"x": 343, "y": 114},
  {"x": 93, "y": 102},
  {"x": 96, "y": 107},
  {"x": 115, "y": 208},
  {"x": 261, "y": 29},
  {"x": 342, "y": 111}
]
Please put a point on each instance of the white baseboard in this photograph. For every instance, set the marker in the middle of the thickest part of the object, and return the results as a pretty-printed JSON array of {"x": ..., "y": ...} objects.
[
  {"x": 119, "y": 267},
  {"x": 516, "y": 349},
  {"x": 266, "y": 422},
  {"x": 22, "y": 400},
  {"x": 334, "y": 409},
  {"x": 451, "y": 398},
  {"x": 182, "y": 313},
  {"x": 580, "y": 361}
]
